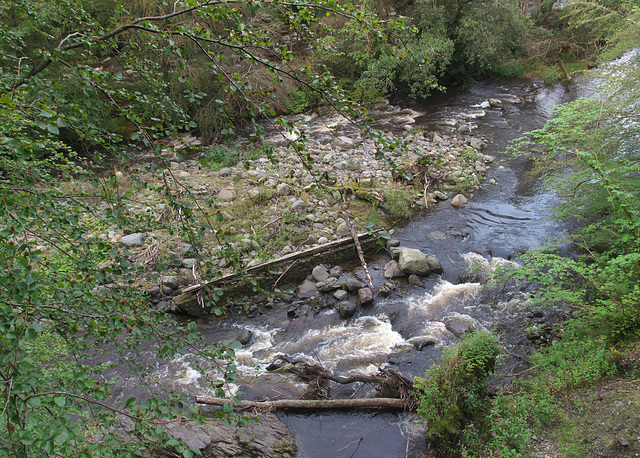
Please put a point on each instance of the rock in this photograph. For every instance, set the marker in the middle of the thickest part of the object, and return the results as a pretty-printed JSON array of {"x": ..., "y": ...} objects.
[
  {"x": 225, "y": 172},
  {"x": 392, "y": 270},
  {"x": 306, "y": 289},
  {"x": 189, "y": 263},
  {"x": 343, "y": 229},
  {"x": 413, "y": 261},
  {"x": 386, "y": 288},
  {"x": 170, "y": 281},
  {"x": 365, "y": 296},
  {"x": 227, "y": 195},
  {"x": 477, "y": 144},
  {"x": 299, "y": 205},
  {"x": 434, "y": 264},
  {"x": 436, "y": 235},
  {"x": 283, "y": 189},
  {"x": 415, "y": 281},
  {"x": 269, "y": 438},
  {"x": 167, "y": 291},
  {"x": 320, "y": 273},
  {"x": 422, "y": 344},
  {"x": 336, "y": 271},
  {"x": 154, "y": 292},
  {"x": 330, "y": 284},
  {"x": 347, "y": 309},
  {"x": 392, "y": 243},
  {"x": 459, "y": 201},
  {"x": 340, "y": 294},
  {"x": 459, "y": 324},
  {"x": 245, "y": 336},
  {"x": 188, "y": 303},
  {"x": 440, "y": 195},
  {"x": 353, "y": 284},
  {"x": 132, "y": 240},
  {"x": 162, "y": 305},
  {"x": 495, "y": 103}
]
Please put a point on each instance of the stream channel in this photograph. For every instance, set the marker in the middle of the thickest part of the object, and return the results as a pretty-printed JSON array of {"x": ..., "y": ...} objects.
[{"x": 501, "y": 220}]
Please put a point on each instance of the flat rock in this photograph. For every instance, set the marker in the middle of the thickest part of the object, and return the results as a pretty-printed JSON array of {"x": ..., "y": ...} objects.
[
  {"x": 330, "y": 284},
  {"x": 306, "y": 289},
  {"x": 340, "y": 294},
  {"x": 353, "y": 284},
  {"x": 268, "y": 438}
]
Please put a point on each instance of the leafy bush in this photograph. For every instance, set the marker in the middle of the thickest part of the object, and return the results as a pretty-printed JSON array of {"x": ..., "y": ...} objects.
[{"x": 452, "y": 391}]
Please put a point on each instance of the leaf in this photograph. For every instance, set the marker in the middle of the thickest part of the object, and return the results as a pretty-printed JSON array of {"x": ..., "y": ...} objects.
[{"x": 60, "y": 401}]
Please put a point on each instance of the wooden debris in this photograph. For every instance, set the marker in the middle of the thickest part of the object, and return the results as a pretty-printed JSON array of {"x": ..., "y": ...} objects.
[{"x": 332, "y": 404}]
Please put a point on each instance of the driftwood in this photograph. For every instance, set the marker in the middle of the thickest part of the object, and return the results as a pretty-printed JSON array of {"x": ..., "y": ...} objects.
[
  {"x": 333, "y": 404},
  {"x": 334, "y": 245},
  {"x": 356, "y": 241}
]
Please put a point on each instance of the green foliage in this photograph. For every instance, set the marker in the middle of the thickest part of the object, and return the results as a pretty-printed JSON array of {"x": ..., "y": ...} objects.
[
  {"x": 452, "y": 391},
  {"x": 83, "y": 87}
]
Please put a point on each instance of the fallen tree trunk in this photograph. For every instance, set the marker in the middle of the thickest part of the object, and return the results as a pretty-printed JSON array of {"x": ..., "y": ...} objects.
[
  {"x": 332, "y": 404},
  {"x": 334, "y": 245}
]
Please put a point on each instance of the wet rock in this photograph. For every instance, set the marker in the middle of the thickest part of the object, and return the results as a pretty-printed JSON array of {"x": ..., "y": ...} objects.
[
  {"x": 365, "y": 296},
  {"x": 434, "y": 264},
  {"x": 268, "y": 438},
  {"x": 331, "y": 284},
  {"x": 306, "y": 289},
  {"x": 132, "y": 240},
  {"x": 392, "y": 270},
  {"x": 413, "y": 261},
  {"x": 495, "y": 103},
  {"x": 459, "y": 324},
  {"x": 459, "y": 201},
  {"x": 292, "y": 313},
  {"x": 320, "y": 273},
  {"x": 415, "y": 281},
  {"x": 422, "y": 344},
  {"x": 353, "y": 284},
  {"x": 386, "y": 288},
  {"x": 340, "y": 295},
  {"x": 227, "y": 195},
  {"x": 347, "y": 309},
  {"x": 245, "y": 336},
  {"x": 436, "y": 235},
  {"x": 170, "y": 281}
]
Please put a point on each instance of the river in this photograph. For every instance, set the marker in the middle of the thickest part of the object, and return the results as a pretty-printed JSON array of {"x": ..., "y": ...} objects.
[{"x": 501, "y": 220}]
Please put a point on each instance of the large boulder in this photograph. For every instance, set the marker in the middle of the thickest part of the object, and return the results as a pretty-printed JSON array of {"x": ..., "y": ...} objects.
[
  {"x": 188, "y": 303},
  {"x": 268, "y": 438},
  {"x": 413, "y": 261}
]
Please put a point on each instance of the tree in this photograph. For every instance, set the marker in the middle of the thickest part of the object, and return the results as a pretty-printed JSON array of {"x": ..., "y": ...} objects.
[{"x": 85, "y": 86}]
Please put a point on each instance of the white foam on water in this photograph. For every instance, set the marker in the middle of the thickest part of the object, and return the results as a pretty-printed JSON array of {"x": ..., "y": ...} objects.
[
  {"x": 443, "y": 298},
  {"x": 359, "y": 344}
]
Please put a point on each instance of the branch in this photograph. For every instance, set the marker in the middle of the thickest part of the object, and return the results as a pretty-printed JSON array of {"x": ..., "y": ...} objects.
[{"x": 331, "y": 404}]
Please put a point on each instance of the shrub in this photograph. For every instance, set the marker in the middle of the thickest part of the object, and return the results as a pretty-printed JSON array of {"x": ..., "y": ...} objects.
[{"x": 452, "y": 391}]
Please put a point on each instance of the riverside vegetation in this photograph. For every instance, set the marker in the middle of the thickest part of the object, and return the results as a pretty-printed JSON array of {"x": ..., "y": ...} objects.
[{"x": 87, "y": 87}]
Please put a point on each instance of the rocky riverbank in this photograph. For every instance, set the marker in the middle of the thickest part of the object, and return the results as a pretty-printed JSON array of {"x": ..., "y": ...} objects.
[{"x": 261, "y": 208}]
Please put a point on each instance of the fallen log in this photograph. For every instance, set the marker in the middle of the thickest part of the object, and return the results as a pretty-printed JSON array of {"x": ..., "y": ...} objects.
[
  {"x": 334, "y": 245},
  {"x": 329, "y": 404}
]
